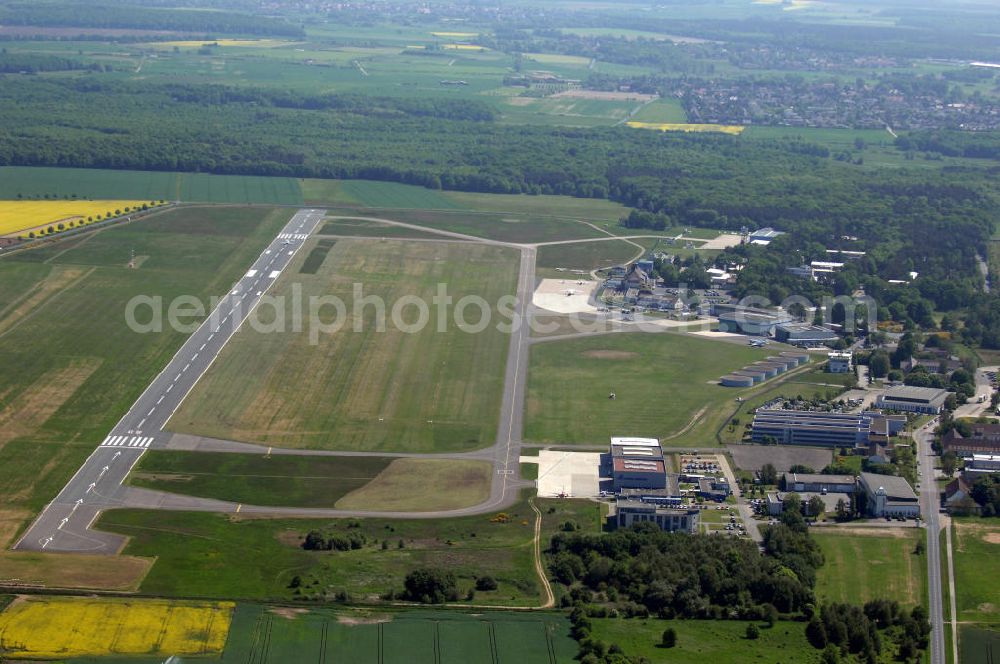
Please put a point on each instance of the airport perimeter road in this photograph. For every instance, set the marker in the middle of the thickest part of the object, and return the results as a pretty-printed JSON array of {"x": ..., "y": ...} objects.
[
  {"x": 930, "y": 505},
  {"x": 65, "y": 523}
]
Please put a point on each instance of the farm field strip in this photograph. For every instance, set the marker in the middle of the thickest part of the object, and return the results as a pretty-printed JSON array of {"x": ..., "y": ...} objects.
[{"x": 18, "y": 217}]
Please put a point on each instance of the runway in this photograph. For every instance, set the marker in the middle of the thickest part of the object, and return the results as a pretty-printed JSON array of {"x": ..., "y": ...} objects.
[{"x": 64, "y": 524}]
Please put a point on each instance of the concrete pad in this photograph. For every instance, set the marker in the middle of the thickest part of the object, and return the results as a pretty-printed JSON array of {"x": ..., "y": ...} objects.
[
  {"x": 565, "y": 296},
  {"x": 719, "y": 335},
  {"x": 575, "y": 474},
  {"x": 723, "y": 241}
]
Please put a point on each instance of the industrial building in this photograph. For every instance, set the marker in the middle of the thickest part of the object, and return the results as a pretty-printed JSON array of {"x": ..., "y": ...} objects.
[
  {"x": 749, "y": 320},
  {"x": 813, "y": 483},
  {"x": 637, "y": 463},
  {"x": 926, "y": 400},
  {"x": 822, "y": 429},
  {"x": 840, "y": 362},
  {"x": 888, "y": 495},
  {"x": 981, "y": 464},
  {"x": 763, "y": 236},
  {"x": 803, "y": 334},
  {"x": 631, "y": 512}
]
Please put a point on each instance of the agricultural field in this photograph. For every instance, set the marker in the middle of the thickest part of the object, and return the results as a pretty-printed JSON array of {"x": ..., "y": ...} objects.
[
  {"x": 55, "y": 406},
  {"x": 566, "y": 111},
  {"x": 212, "y": 555},
  {"x": 717, "y": 641},
  {"x": 268, "y": 635},
  {"x": 976, "y": 543},
  {"x": 17, "y": 218},
  {"x": 663, "y": 383},
  {"x": 977, "y": 644},
  {"x": 56, "y": 628},
  {"x": 362, "y": 387},
  {"x": 891, "y": 571},
  {"x": 62, "y": 183}
]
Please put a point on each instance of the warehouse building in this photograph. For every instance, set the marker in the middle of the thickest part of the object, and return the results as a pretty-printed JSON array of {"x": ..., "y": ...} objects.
[
  {"x": 840, "y": 362},
  {"x": 631, "y": 512},
  {"x": 814, "y": 483},
  {"x": 637, "y": 463},
  {"x": 926, "y": 400},
  {"x": 803, "y": 334},
  {"x": 748, "y": 320},
  {"x": 888, "y": 495}
]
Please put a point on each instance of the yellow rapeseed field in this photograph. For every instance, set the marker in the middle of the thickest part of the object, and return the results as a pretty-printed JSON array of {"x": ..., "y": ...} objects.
[
  {"x": 58, "y": 628},
  {"x": 667, "y": 126},
  {"x": 17, "y": 216},
  {"x": 465, "y": 47}
]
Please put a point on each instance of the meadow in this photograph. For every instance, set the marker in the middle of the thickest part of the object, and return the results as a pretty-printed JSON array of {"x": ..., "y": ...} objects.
[
  {"x": 364, "y": 387},
  {"x": 20, "y": 217},
  {"x": 72, "y": 365},
  {"x": 891, "y": 569},
  {"x": 662, "y": 111},
  {"x": 512, "y": 227},
  {"x": 978, "y": 644},
  {"x": 976, "y": 543},
  {"x": 283, "y": 480},
  {"x": 35, "y": 182},
  {"x": 214, "y": 555},
  {"x": 50, "y": 628},
  {"x": 365, "y": 483},
  {"x": 717, "y": 641},
  {"x": 662, "y": 383},
  {"x": 586, "y": 255},
  {"x": 368, "y": 228}
]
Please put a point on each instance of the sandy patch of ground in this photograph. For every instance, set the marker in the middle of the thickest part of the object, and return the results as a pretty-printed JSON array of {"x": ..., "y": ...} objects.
[
  {"x": 73, "y": 570},
  {"x": 289, "y": 613},
  {"x": 565, "y": 296},
  {"x": 576, "y": 474},
  {"x": 609, "y": 354},
  {"x": 871, "y": 531},
  {"x": 10, "y": 523},
  {"x": 605, "y": 95},
  {"x": 992, "y": 538},
  {"x": 363, "y": 620},
  {"x": 724, "y": 241}
]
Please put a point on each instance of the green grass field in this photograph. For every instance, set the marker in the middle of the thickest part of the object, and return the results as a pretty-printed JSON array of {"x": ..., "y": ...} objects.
[
  {"x": 590, "y": 209},
  {"x": 890, "y": 571},
  {"x": 976, "y": 553},
  {"x": 368, "y": 228},
  {"x": 72, "y": 366},
  {"x": 586, "y": 255},
  {"x": 297, "y": 481},
  {"x": 365, "y": 389},
  {"x": 716, "y": 641},
  {"x": 369, "y": 193},
  {"x": 213, "y": 555},
  {"x": 663, "y": 110},
  {"x": 147, "y": 185},
  {"x": 662, "y": 381},
  {"x": 512, "y": 227},
  {"x": 413, "y": 485}
]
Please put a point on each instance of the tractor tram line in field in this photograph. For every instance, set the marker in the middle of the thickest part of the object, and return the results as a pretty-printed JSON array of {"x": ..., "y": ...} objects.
[{"x": 65, "y": 523}]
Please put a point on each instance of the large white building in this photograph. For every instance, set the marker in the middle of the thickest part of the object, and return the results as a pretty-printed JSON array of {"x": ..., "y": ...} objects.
[
  {"x": 926, "y": 400},
  {"x": 840, "y": 362},
  {"x": 888, "y": 495},
  {"x": 637, "y": 463}
]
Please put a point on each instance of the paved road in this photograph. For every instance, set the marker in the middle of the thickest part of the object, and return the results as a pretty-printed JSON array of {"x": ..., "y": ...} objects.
[
  {"x": 64, "y": 525},
  {"x": 930, "y": 506},
  {"x": 746, "y": 512}
]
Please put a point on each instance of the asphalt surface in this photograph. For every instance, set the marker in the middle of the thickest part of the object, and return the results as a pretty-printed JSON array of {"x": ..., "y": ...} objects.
[
  {"x": 930, "y": 507},
  {"x": 64, "y": 525}
]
